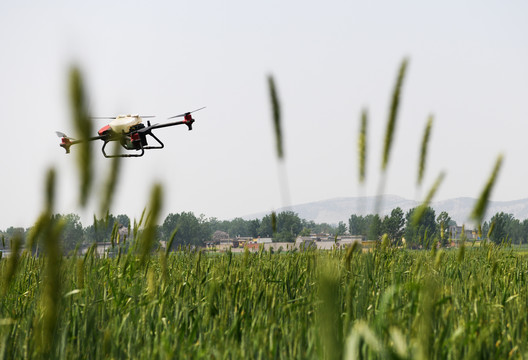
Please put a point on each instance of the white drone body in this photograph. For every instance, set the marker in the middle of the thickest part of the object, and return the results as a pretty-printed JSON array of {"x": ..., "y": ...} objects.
[{"x": 123, "y": 123}]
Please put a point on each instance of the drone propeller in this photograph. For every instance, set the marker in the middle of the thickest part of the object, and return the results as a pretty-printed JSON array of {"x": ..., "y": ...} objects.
[
  {"x": 187, "y": 113},
  {"x": 114, "y": 117},
  {"x": 63, "y": 135}
]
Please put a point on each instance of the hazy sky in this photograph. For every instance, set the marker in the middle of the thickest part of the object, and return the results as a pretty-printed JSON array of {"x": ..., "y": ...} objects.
[{"x": 468, "y": 66}]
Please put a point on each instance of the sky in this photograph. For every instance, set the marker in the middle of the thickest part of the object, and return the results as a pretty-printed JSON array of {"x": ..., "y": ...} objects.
[{"x": 330, "y": 60}]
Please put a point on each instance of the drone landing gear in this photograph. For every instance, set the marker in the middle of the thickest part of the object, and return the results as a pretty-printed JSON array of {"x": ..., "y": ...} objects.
[
  {"x": 120, "y": 155},
  {"x": 161, "y": 146},
  {"x": 133, "y": 146}
]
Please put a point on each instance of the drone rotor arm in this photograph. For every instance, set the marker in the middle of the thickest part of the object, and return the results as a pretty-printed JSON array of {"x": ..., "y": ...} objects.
[
  {"x": 159, "y": 126},
  {"x": 174, "y": 123},
  {"x": 67, "y": 142}
]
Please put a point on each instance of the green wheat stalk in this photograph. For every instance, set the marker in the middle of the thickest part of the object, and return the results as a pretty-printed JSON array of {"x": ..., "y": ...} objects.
[
  {"x": 362, "y": 145},
  {"x": 389, "y": 132},
  {"x": 170, "y": 242},
  {"x": 423, "y": 150},
  {"x": 480, "y": 207},
  {"x": 13, "y": 262},
  {"x": 44, "y": 218},
  {"x": 48, "y": 230},
  {"x": 83, "y": 127},
  {"x": 393, "y": 114},
  {"x": 275, "y": 106},
  {"x": 361, "y": 335},
  {"x": 149, "y": 234},
  {"x": 52, "y": 286},
  {"x": 330, "y": 321},
  {"x": 490, "y": 230}
]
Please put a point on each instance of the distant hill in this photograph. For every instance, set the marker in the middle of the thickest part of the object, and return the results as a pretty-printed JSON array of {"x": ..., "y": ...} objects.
[{"x": 333, "y": 211}]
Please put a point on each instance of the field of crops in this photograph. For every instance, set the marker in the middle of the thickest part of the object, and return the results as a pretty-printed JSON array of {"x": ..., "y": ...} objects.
[
  {"x": 388, "y": 302},
  {"x": 466, "y": 303}
]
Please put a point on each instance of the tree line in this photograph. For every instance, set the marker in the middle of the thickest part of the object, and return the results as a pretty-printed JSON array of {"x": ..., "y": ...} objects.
[
  {"x": 401, "y": 229},
  {"x": 502, "y": 227},
  {"x": 283, "y": 227},
  {"x": 191, "y": 229}
]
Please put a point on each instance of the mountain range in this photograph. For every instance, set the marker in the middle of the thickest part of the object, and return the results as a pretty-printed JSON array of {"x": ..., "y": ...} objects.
[{"x": 332, "y": 211}]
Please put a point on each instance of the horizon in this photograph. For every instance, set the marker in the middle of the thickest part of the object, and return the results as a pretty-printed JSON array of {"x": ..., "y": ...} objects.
[{"x": 87, "y": 220}]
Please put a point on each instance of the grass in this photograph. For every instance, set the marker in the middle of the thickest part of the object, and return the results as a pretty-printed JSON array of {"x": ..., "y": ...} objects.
[{"x": 389, "y": 303}]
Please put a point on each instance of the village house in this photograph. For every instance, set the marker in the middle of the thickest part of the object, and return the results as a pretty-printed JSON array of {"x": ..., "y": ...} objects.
[{"x": 455, "y": 233}]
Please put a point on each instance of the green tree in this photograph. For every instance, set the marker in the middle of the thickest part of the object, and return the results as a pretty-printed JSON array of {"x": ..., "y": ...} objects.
[
  {"x": 10, "y": 233},
  {"x": 72, "y": 234},
  {"x": 289, "y": 226},
  {"x": 13, "y": 231},
  {"x": 123, "y": 220},
  {"x": 341, "y": 228},
  {"x": 485, "y": 229},
  {"x": 393, "y": 225},
  {"x": 423, "y": 232},
  {"x": 309, "y": 227},
  {"x": 283, "y": 236},
  {"x": 443, "y": 222},
  {"x": 374, "y": 228},
  {"x": 265, "y": 229},
  {"x": 323, "y": 228},
  {"x": 213, "y": 224},
  {"x": 189, "y": 230},
  {"x": 502, "y": 227},
  {"x": 305, "y": 232},
  {"x": 524, "y": 230},
  {"x": 238, "y": 227},
  {"x": 253, "y": 227},
  {"x": 100, "y": 230},
  {"x": 205, "y": 232},
  {"x": 356, "y": 225}
]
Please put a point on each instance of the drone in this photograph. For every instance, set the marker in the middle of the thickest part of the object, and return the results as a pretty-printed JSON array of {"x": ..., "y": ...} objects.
[{"x": 131, "y": 133}]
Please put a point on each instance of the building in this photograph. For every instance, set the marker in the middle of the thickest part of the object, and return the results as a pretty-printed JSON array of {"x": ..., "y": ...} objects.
[{"x": 455, "y": 233}]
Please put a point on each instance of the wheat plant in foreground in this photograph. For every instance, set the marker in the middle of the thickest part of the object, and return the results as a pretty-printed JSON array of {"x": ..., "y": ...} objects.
[
  {"x": 388, "y": 303},
  {"x": 147, "y": 303}
]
